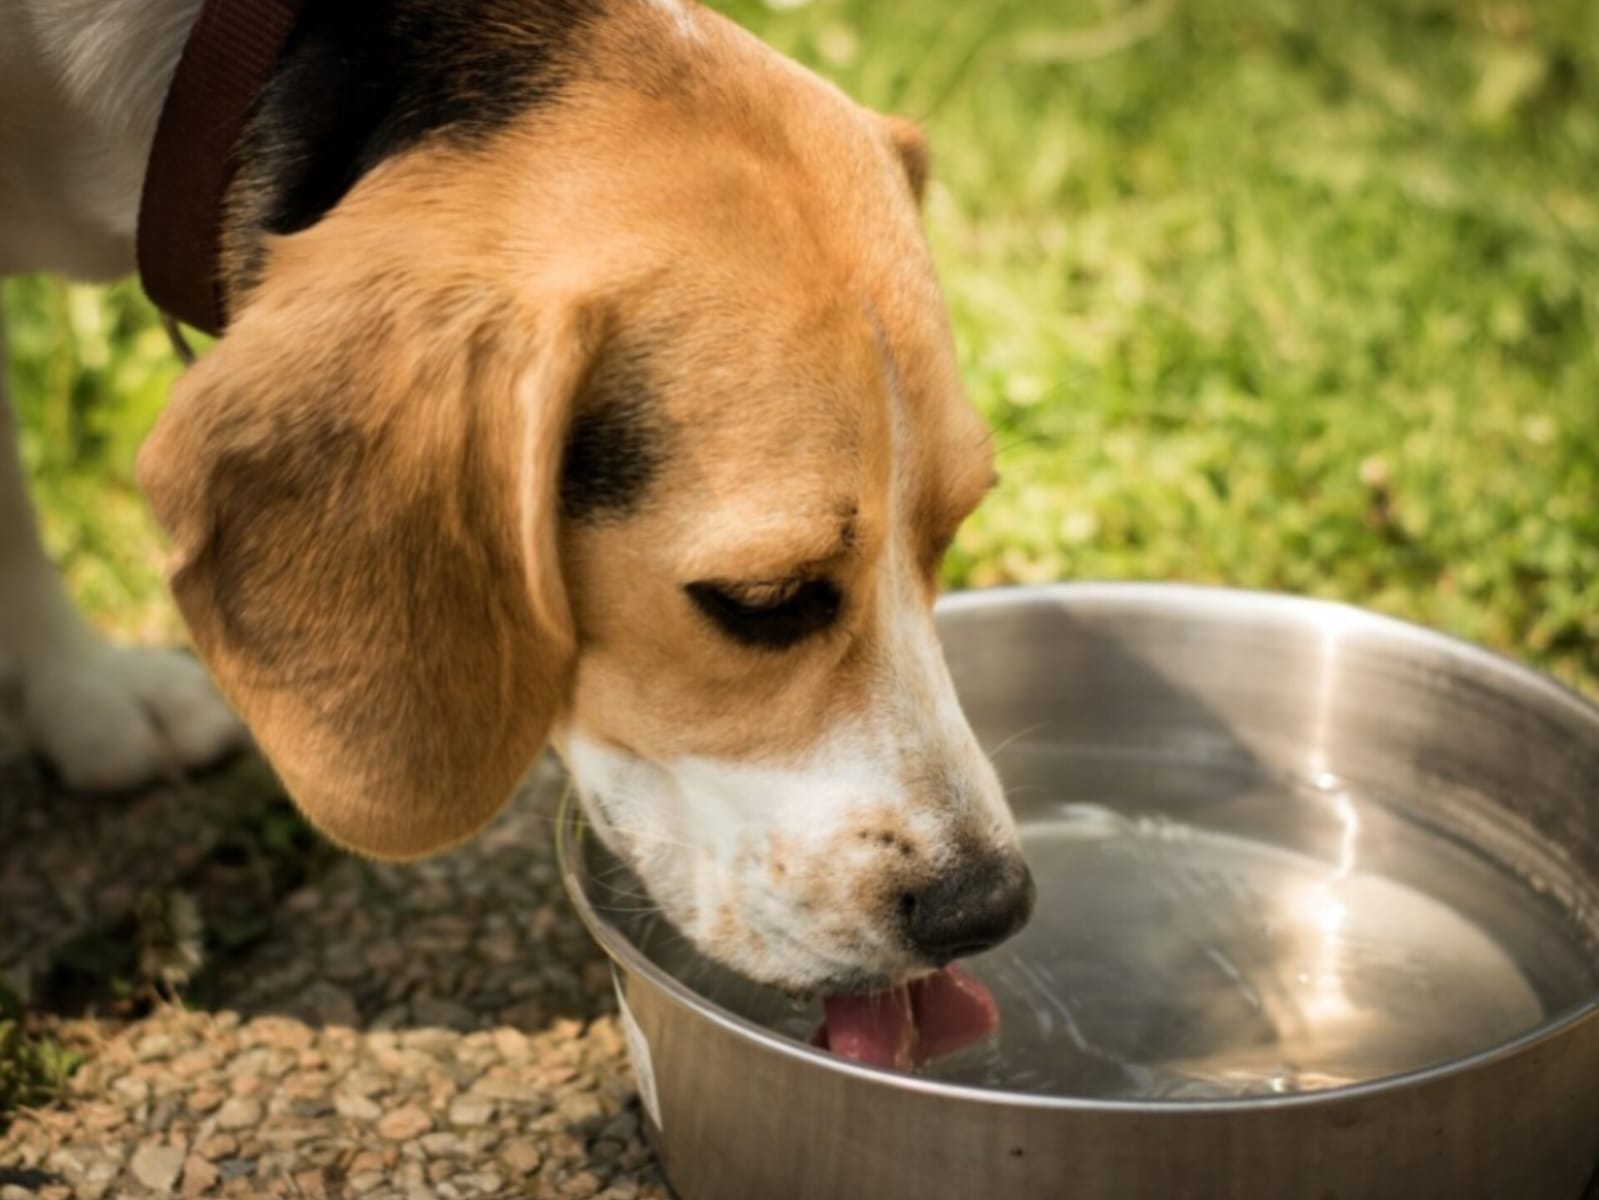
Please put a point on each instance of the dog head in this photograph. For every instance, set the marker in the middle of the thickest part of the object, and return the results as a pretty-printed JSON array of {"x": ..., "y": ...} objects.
[{"x": 634, "y": 427}]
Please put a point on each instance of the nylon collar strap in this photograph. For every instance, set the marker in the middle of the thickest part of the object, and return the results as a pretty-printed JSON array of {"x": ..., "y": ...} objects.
[{"x": 230, "y": 53}]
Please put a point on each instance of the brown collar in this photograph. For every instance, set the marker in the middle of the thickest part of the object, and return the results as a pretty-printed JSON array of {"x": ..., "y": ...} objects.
[{"x": 228, "y": 58}]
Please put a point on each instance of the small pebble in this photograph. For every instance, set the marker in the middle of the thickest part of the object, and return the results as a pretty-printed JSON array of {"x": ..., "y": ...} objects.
[
  {"x": 521, "y": 1155},
  {"x": 157, "y": 1166},
  {"x": 240, "y": 1112},
  {"x": 204, "y": 1099},
  {"x": 404, "y": 1123},
  {"x": 471, "y": 1112},
  {"x": 216, "y": 1147},
  {"x": 355, "y": 1107},
  {"x": 199, "y": 1175},
  {"x": 442, "y": 1145}
]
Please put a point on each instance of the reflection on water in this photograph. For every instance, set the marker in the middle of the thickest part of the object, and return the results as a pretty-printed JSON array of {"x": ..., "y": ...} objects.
[
  {"x": 1201, "y": 934},
  {"x": 1176, "y": 963}
]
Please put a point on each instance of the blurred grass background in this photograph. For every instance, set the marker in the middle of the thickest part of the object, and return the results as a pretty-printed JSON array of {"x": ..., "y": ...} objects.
[{"x": 1291, "y": 294}]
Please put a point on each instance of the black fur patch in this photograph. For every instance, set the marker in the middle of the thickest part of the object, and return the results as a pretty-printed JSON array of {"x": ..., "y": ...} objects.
[
  {"x": 364, "y": 80},
  {"x": 617, "y": 444}
]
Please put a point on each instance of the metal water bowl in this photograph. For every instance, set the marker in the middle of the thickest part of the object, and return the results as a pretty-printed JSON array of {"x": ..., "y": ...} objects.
[{"x": 1318, "y": 916}]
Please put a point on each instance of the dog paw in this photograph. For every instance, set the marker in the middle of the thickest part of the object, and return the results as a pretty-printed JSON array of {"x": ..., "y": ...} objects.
[{"x": 109, "y": 717}]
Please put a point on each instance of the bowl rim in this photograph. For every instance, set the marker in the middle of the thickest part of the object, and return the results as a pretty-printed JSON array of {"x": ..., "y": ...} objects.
[{"x": 571, "y": 822}]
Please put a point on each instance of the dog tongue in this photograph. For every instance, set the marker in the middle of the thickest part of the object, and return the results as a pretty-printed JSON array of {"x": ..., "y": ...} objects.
[
  {"x": 953, "y": 1010},
  {"x": 910, "y": 1024}
]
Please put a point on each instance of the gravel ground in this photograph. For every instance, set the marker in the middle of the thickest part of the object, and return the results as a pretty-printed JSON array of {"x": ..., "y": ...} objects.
[{"x": 443, "y": 1029}]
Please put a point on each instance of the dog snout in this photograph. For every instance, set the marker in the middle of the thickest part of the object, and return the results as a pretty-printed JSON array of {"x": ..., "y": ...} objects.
[{"x": 969, "y": 909}]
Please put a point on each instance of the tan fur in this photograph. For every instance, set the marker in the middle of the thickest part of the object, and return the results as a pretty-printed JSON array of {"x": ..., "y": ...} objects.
[
  {"x": 360, "y": 480},
  {"x": 360, "y": 486}
]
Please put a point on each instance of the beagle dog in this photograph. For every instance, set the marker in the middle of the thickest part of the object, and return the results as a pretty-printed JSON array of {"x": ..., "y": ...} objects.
[{"x": 587, "y": 383}]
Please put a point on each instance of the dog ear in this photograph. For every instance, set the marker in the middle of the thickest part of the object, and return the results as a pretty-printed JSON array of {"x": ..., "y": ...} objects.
[
  {"x": 361, "y": 485},
  {"x": 914, "y": 154}
]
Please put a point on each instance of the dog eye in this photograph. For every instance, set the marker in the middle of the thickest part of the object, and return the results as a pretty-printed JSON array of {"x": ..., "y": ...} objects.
[{"x": 771, "y": 618}]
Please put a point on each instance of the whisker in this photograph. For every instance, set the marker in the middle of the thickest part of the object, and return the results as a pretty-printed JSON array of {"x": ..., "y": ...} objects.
[
  {"x": 1023, "y": 789},
  {"x": 627, "y": 831},
  {"x": 1019, "y": 734},
  {"x": 1025, "y": 440}
]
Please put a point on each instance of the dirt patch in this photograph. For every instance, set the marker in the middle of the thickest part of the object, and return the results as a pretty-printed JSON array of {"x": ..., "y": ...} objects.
[{"x": 259, "y": 1016}]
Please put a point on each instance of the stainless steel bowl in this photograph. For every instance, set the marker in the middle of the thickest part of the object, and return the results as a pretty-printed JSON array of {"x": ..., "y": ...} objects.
[{"x": 1318, "y": 918}]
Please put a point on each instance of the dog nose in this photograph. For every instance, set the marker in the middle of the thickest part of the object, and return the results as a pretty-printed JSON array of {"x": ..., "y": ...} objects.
[{"x": 970, "y": 909}]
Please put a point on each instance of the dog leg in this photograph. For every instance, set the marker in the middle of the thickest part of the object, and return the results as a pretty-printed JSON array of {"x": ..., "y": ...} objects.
[{"x": 107, "y": 717}]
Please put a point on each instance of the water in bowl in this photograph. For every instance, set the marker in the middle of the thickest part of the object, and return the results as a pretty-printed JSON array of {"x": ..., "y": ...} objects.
[{"x": 1203, "y": 932}]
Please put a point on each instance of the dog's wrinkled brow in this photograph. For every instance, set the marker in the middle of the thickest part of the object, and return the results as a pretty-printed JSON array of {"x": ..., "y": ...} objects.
[{"x": 777, "y": 547}]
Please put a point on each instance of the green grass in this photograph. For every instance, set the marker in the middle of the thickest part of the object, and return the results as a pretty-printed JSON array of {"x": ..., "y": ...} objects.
[
  {"x": 90, "y": 370},
  {"x": 1300, "y": 296},
  {"x": 34, "y": 1068}
]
